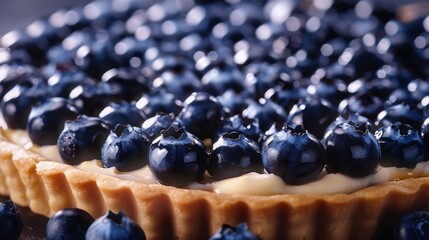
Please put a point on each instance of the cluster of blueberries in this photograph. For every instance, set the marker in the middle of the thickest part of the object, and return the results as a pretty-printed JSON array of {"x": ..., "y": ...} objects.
[
  {"x": 141, "y": 83},
  {"x": 145, "y": 83},
  {"x": 75, "y": 223}
]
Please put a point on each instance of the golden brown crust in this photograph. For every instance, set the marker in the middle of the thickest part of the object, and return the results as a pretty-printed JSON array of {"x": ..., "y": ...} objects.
[{"x": 171, "y": 213}]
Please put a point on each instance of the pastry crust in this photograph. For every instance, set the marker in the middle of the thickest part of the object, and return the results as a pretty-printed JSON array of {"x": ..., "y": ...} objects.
[{"x": 171, "y": 213}]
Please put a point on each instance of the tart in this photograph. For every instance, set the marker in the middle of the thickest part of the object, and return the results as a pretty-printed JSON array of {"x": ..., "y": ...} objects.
[{"x": 229, "y": 77}]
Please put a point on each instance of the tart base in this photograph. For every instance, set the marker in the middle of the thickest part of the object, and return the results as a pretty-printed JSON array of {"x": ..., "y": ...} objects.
[{"x": 171, "y": 213}]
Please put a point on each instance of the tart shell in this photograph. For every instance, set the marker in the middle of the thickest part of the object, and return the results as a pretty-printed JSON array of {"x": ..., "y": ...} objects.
[{"x": 171, "y": 213}]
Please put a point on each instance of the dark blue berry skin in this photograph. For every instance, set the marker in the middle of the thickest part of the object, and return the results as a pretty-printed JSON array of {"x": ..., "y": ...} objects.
[
  {"x": 351, "y": 150},
  {"x": 246, "y": 126},
  {"x": 128, "y": 82},
  {"x": 161, "y": 101},
  {"x": 61, "y": 83},
  {"x": 424, "y": 132},
  {"x": 266, "y": 112},
  {"x": 122, "y": 113},
  {"x": 363, "y": 103},
  {"x": 181, "y": 83},
  {"x": 113, "y": 226},
  {"x": 233, "y": 103},
  {"x": 46, "y": 120},
  {"x": 154, "y": 125},
  {"x": 92, "y": 98},
  {"x": 126, "y": 148},
  {"x": 177, "y": 158},
  {"x": 81, "y": 139},
  {"x": 95, "y": 58},
  {"x": 68, "y": 224},
  {"x": 17, "y": 103},
  {"x": 401, "y": 146},
  {"x": 201, "y": 115},
  {"x": 404, "y": 113},
  {"x": 217, "y": 81},
  {"x": 233, "y": 155},
  {"x": 240, "y": 232},
  {"x": 314, "y": 113},
  {"x": 11, "y": 224},
  {"x": 354, "y": 117},
  {"x": 413, "y": 226},
  {"x": 294, "y": 155}
]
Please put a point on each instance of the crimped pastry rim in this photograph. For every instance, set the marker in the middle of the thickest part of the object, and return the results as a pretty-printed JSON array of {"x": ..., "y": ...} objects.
[{"x": 166, "y": 212}]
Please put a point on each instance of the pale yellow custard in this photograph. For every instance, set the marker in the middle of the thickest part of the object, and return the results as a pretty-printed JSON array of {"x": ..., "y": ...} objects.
[{"x": 251, "y": 183}]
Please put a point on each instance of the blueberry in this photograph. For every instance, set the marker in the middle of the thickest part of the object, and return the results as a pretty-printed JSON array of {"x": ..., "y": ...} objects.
[
  {"x": 126, "y": 148},
  {"x": 122, "y": 113},
  {"x": 177, "y": 158},
  {"x": 68, "y": 224},
  {"x": 181, "y": 83},
  {"x": 233, "y": 103},
  {"x": 128, "y": 82},
  {"x": 81, "y": 139},
  {"x": 246, "y": 126},
  {"x": 413, "y": 225},
  {"x": 157, "y": 102},
  {"x": 11, "y": 224},
  {"x": 233, "y": 155},
  {"x": 405, "y": 113},
  {"x": 114, "y": 226},
  {"x": 266, "y": 112},
  {"x": 154, "y": 125},
  {"x": 286, "y": 96},
  {"x": 363, "y": 103},
  {"x": 95, "y": 58},
  {"x": 46, "y": 120},
  {"x": 355, "y": 117},
  {"x": 401, "y": 145},
  {"x": 201, "y": 114},
  {"x": 424, "y": 131},
  {"x": 62, "y": 82},
  {"x": 240, "y": 232},
  {"x": 294, "y": 155},
  {"x": 314, "y": 113},
  {"x": 352, "y": 150},
  {"x": 17, "y": 103},
  {"x": 92, "y": 98},
  {"x": 217, "y": 81}
]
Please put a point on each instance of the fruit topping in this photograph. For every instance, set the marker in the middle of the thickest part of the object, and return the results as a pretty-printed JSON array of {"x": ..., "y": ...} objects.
[
  {"x": 81, "y": 139},
  {"x": 351, "y": 149},
  {"x": 246, "y": 126},
  {"x": 233, "y": 155},
  {"x": 201, "y": 114},
  {"x": 122, "y": 113},
  {"x": 401, "y": 145},
  {"x": 154, "y": 125},
  {"x": 266, "y": 112},
  {"x": 413, "y": 225},
  {"x": 11, "y": 224},
  {"x": 177, "y": 158},
  {"x": 294, "y": 155},
  {"x": 128, "y": 82},
  {"x": 68, "y": 224},
  {"x": 240, "y": 232},
  {"x": 114, "y": 226},
  {"x": 126, "y": 148},
  {"x": 46, "y": 120}
]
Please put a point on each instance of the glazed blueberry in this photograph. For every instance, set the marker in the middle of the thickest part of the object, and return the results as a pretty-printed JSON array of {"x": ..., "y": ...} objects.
[
  {"x": 217, "y": 81},
  {"x": 405, "y": 113},
  {"x": 46, "y": 120},
  {"x": 92, "y": 98},
  {"x": 233, "y": 103},
  {"x": 11, "y": 224},
  {"x": 413, "y": 225},
  {"x": 177, "y": 158},
  {"x": 68, "y": 224},
  {"x": 17, "y": 103},
  {"x": 181, "y": 83},
  {"x": 294, "y": 155},
  {"x": 246, "y": 126},
  {"x": 266, "y": 112},
  {"x": 352, "y": 150},
  {"x": 122, "y": 113},
  {"x": 128, "y": 82},
  {"x": 401, "y": 145},
  {"x": 154, "y": 125},
  {"x": 161, "y": 101},
  {"x": 355, "y": 117},
  {"x": 201, "y": 115},
  {"x": 363, "y": 103},
  {"x": 286, "y": 96},
  {"x": 95, "y": 58},
  {"x": 81, "y": 139},
  {"x": 62, "y": 82},
  {"x": 240, "y": 232},
  {"x": 233, "y": 155},
  {"x": 424, "y": 131},
  {"x": 113, "y": 226},
  {"x": 125, "y": 148},
  {"x": 314, "y": 113}
]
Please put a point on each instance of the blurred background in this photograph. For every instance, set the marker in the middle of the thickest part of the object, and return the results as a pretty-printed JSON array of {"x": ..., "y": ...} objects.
[{"x": 20, "y": 13}]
